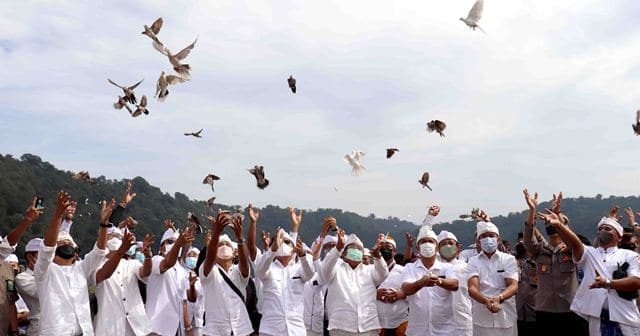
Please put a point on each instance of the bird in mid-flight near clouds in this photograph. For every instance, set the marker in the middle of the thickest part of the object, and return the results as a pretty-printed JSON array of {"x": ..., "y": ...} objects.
[
  {"x": 195, "y": 134},
  {"x": 210, "y": 179},
  {"x": 292, "y": 83},
  {"x": 174, "y": 59},
  {"x": 162, "y": 88},
  {"x": 258, "y": 172},
  {"x": 475, "y": 14},
  {"x": 154, "y": 30},
  {"x": 424, "y": 181},
  {"x": 391, "y": 151},
  {"x": 141, "y": 108},
  {"x": 129, "y": 95},
  {"x": 353, "y": 160},
  {"x": 636, "y": 126},
  {"x": 436, "y": 126}
]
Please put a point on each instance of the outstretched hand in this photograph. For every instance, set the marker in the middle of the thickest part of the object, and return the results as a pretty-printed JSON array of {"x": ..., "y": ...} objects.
[
  {"x": 169, "y": 224},
  {"x": 128, "y": 196},
  {"x": 63, "y": 202},
  {"x": 532, "y": 202},
  {"x": 613, "y": 213},
  {"x": 550, "y": 217},
  {"x": 296, "y": 218},
  {"x": 106, "y": 211},
  {"x": 556, "y": 203},
  {"x": 254, "y": 213},
  {"x": 32, "y": 212}
]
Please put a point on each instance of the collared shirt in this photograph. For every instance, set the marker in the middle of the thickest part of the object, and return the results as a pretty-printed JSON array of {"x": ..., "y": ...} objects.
[
  {"x": 119, "y": 301},
  {"x": 351, "y": 293},
  {"x": 591, "y": 301},
  {"x": 527, "y": 289},
  {"x": 492, "y": 280},
  {"x": 313, "y": 294},
  {"x": 460, "y": 300},
  {"x": 430, "y": 308},
  {"x": 226, "y": 312},
  {"x": 26, "y": 286},
  {"x": 282, "y": 287},
  {"x": 465, "y": 255},
  {"x": 63, "y": 292},
  {"x": 391, "y": 315},
  {"x": 165, "y": 293}
]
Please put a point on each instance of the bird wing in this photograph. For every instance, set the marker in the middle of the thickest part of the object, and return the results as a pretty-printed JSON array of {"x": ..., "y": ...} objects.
[
  {"x": 350, "y": 160},
  {"x": 638, "y": 116},
  {"x": 425, "y": 178},
  {"x": 172, "y": 79},
  {"x": 441, "y": 125},
  {"x": 185, "y": 52},
  {"x": 157, "y": 45},
  {"x": 207, "y": 180},
  {"x": 134, "y": 86},
  {"x": 157, "y": 24},
  {"x": 198, "y": 132},
  {"x": 143, "y": 101},
  {"x": 260, "y": 173},
  {"x": 188, "y": 134},
  {"x": 112, "y": 82},
  {"x": 358, "y": 155},
  {"x": 476, "y": 11}
]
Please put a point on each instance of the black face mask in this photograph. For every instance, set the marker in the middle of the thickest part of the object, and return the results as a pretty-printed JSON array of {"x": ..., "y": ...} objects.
[
  {"x": 387, "y": 254},
  {"x": 604, "y": 237},
  {"x": 65, "y": 252}
]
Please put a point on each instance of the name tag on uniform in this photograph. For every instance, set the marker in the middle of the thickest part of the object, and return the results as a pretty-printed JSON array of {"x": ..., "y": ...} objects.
[
  {"x": 296, "y": 278},
  {"x": 441, "y": 277},
  {"x": 315, "y": 282},
  {"x": 500, "y": 271}
]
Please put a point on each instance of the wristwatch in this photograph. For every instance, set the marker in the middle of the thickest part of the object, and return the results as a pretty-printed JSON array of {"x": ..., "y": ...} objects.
[
  {"x": 607, "y": 284},
  {"x": 439, "y": 282}
]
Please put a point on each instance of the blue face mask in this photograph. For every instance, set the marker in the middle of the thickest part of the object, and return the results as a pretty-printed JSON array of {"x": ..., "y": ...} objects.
[
  {"x": 131, "y": 251},
  {"x": 190, "y": 262},
  {"x": 354, "y": 254},
  {"x": 140, "y": 257},
  {"x": 489, "y": 244}
]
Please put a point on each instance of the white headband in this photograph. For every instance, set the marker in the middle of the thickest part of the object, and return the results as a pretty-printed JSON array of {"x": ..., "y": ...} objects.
[{"x": 611, "y": 222}]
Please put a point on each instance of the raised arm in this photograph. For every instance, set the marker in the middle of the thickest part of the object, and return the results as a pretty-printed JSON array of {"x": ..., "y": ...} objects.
[
  {"x": 112, "y": 263},
  {"x": 533, "y": 246},
  {"x": 296, "y": 218},
  {"x": 147, "y": 242},
  {"x": 172, "y": 257},
  {"x": 408, "y": 251},
  {"x": 305, "y": 263},
  {"x": 218, "y": 223},
  {"x": 29, "y": 217},
  {"x": 192, "y": 293},
  {"x": 328, "y": 269},
  {"x": 254, "y": 214},
  {"x": 63, "y": 202},
  {"x": 243, "y": 260},
  {"x": 568, "y": 236},
  {"x": 263, "y": 265},
  {"x": 380, "y": 270}
]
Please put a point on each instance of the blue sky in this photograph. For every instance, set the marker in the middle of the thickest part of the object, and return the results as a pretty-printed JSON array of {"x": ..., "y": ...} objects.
[{"x": 544, "y": 100}]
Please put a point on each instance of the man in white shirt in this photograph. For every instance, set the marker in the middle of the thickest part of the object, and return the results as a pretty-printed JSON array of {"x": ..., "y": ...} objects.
[
  {"x": 282, "y": 283},
  {"x": 448, "y": 253},
  {"x": 605, "y": 299},
  {"x": 61, "y": 279},
  {"x": 223, "y": 283},
  {"x": 195, "y": 294},
  {"x": 120, "y": 307},
  {"x": 393, "y": 309},
  {"x": 26, "y": 285},
  {"x": 165, "y": 286},
  {"x": 428, "y": 284},
  {"x": 351, "y": 287},
  {"x": 493, "y": 283}
]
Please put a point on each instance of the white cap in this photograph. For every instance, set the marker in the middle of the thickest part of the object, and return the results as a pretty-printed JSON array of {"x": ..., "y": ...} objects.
[
  {"x": 353, "y": 239},
  {"x": 611, "y": 222},
  {"x": 139, "y": 244},
  {"x": 285, "y": 235},
  {"x": 366, "y": 252},
  {"x": 34, "y": 245},
  {"x": 194, "y": 249},
  {"x": 329, "y": 239},
  {"x": 169, "y": 234},
  {"x": 64, "y": 235},
  {"x": 114, "y": 231},
  {"x": 306, "y": 247},
  {"x": 11, "y": 258},
  {"x": 388, "y": 239},
  {"x": 483, "y": 227},
  {"x": 446, "y": 235},
  {"x": 224, "y": 238},
  {"x": 426, "y": 232},
  {"x": 234, "y": 245}
]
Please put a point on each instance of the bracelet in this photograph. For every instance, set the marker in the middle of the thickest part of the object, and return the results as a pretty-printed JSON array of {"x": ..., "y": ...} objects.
[
  {"x": 188, "y": 328},
  {"x": 607, "y": 284},
  {"x": 501, "y": 298},
  {"x": 439, "y": 282},
  {"x": 108, "y": 225}
]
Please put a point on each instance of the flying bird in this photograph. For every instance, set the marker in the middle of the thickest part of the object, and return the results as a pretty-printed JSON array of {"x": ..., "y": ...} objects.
[
  {"x": 162, "y": 88},
  {"x": 354, "y": 159},
  {"x": 129, "y": 95},
  {"x": 141, "y": 108},
  {"x": 195, "y": 134},
  {"x": 258, "y": 172},
  {"x": 174, "y": 59},
  {"x": 118, "y": 105},
  {"x": 424, "y": 180},
  {"x": 436, "y": 126},
  {"x": 391, "y": 151},
  {"x": 210, "y": 201},
  {"x": 474, "y": 16},
  {"x": 209, "y": 179},
  {"x": 636, "y": 127},
  {"x": 82, "y": 176},
  {"x": 292, "y": 83},
  {"x": 154, "y": 30},
  {"x": 194, "y": 223}
]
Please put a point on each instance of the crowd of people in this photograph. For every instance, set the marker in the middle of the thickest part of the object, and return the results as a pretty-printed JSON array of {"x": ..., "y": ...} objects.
[{"x": 561, "y": 285}]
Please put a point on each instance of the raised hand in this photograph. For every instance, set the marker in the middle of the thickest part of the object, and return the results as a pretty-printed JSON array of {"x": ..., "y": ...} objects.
[
  {"x": 556, "y": 203},
  {"x": 128, "y": 240},
  {"x": 295, "y": 217},
  {"x": 146, "y": 244},
  {"x": 315, "y": 249},
  {"x": 328, "y": 223},
  {"x": 32, "y": 213},
  {"x": 550, "y": 217},
  {"x": 483, "y": 216},
  {"x": 277, "y": 240},
  {"x": 341, "y": 240},
  {"x": 185, "y": 237},
  {"x": 254, "y": 213},
  {"x": 207, "y": 238},
  {"x": 220, "y": 221},
  {"x": 434, "y": 210},
  {"x": 375, "y": 250},
  {"x": 266, "y": 239},
  {"x": 613, "y": 214},
  {"x": 128, "y": 222},
  {"x": 169, "y": 224},
  {"x": 192, "y": 279},
  {"x": 409, "y": 239},
  {"x": 236, "y": 225},
  {"x": 532, "y": 202},
  {"x": 630, "y": 216},
  {"x": 63, "y": 202},
  {"x": 106, "y": 211},
  {"x": 128, "y": 196},
  {"x": 299, "y": 248}
]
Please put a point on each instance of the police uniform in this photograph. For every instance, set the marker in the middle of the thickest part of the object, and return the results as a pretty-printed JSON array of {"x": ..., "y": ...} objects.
[{"x": 525, "y": 298}]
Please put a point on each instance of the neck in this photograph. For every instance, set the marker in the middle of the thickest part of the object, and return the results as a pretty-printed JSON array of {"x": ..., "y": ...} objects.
[
  {"x": 610, "y": 245},
  {"x": 428, "y": 262},
  {"x": 448, "y": 259},
  {"x": 62, "y": 261},
  {"x": 489, "y": 255},
  {"x": 225, "y": 264},
  {"x": 284, "y": 261},
  {"x": 391, "y": 262}
]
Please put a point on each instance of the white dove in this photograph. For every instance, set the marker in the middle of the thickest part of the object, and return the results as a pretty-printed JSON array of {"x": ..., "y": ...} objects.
[
  {"x": 474, "y": 15},
  {"x": 174, "y": 59},
  {"x": 354, "y": 159},
  {"x": 162, "y": 88}
]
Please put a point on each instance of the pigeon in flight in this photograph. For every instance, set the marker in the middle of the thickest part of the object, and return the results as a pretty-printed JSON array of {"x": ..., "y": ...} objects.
[
  {"x": 292, "y": 83},
  {"x": 140, "y": 108},
  {"x": 391, "y": 151},
  {"x": 209, "y": 179},
  {"x": 636, "y": 127},
  {"x": 424, "y": 180},
  {"x": 162, "y": 88},
  {"x": 129, "y": 95},
  {"x": 258, "y": 172},
  {"x": 195, "y": 134},
  {"x": 354, "y": 159},
  {"x": 154, "y": 30},
  {"x": 474, "y": 16},
  {"x": 122, "y": 103},
  {"x": 194, "y": 223},
  {"x": 436, "y": 126},
  {"x": 174, "y": 59},
  {"x": 210, "y": 201},
  {"x": 82, "y": 176}
]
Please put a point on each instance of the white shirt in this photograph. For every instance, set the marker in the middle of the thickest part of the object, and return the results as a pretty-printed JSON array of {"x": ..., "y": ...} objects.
[
  {"x": 165, "y": 293},
  {"x": 5, "y": 248},
  {"x": 351, "y": 293},
  {"x": 282, "y": 287},
  {"x": 391, "y": 315},
  {"x": 226, "y": 312},
  {"x": 66, "y": 225},
  {"x": 591, "y": 301},
  {"x": 26, "y": 286},
  {"x": 195, "y": 310},
  {"x": 492, "y": 275},
  {"x": 460, "y": 300},
  {"x": 430, "y": 308},
  {"x": 119, "y": 301},
  {"x": 63, "y": 292},
  {"x": 465, "y": 255},
  {"x": 313, "y": 297}
]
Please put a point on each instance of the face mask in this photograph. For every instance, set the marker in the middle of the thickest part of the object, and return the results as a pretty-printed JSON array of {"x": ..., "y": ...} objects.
[
  {"x": 65, "y": 251},
  {"x": 604, "y": 237},
  {"x": 140, "y": 257},
  {"x": 354, "y": 254},
  {"x": 190, "y": 262},
  {"x": 284, "y": 250},
  {"x": 489, "y": 244},
  {"x": 428, "y": 250},
  {"x": 132, "y": 250},
  {"x": 113, "y": 244},
  {"x": 225, "y": 252},
  {"x": 386, "y": 253},
  {"x": 448, "y": 251}
]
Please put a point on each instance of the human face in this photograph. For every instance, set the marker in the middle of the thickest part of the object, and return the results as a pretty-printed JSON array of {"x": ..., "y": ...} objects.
[{"x": 448, "y": 249}]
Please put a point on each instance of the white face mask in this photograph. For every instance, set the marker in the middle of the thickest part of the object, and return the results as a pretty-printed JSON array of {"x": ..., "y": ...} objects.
[
  {"x": 114, "y": 243},
  {"x": 428, "y": 250},
  {"x": 225, "y": 252},
  {"x": 284, "y": 250}
]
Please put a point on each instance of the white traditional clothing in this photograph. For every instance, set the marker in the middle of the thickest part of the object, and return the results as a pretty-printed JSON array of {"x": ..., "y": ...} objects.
[
  {"x": 165, "y": 294},
  {"x": 392, "y": 315},
  {"x": 26, "y": 286},
  {"x": 313, "y": 297},
  {"x": 195, "y": 310}
]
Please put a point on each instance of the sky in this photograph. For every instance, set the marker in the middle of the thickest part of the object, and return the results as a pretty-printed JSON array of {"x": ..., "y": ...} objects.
[{"x": 544, "y": 100}]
